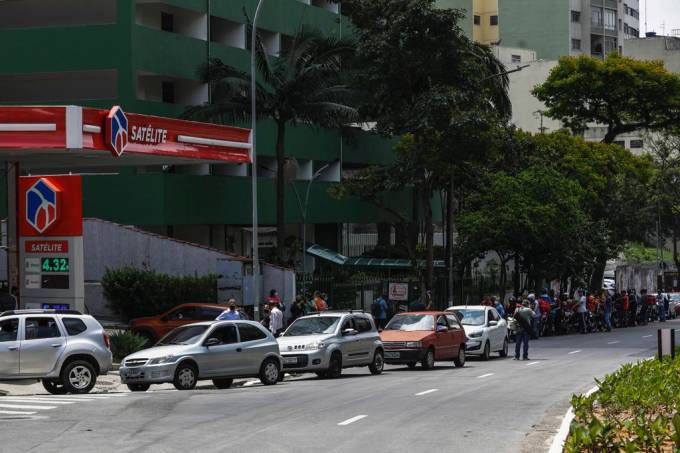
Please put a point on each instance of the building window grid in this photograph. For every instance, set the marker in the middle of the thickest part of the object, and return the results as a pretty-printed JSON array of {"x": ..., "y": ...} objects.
[
  {"x": 575, "y": 16},
  {"x": 493, "y": 20},
  {"x": 477, "y": 20},
  {"x": 610, "y": 19},
  {"x": 576, "y": 44}
]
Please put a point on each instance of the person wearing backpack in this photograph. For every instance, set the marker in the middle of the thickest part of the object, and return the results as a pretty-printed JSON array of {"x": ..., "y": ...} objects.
[
  {"x": 379, "y": 311},
  {"x": 523, "y": 315}
]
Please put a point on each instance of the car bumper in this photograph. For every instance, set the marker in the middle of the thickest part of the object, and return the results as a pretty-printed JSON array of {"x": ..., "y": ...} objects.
[
  {"x": 147, "y": 374},
  {"x": 401, "y": 356},
  {"x": 473, "y": 346},
  {"x": 306, "y": 361}
]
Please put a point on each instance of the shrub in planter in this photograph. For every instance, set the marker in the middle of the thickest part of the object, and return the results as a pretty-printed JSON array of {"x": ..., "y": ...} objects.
[
  {"x": 124, "y": 343},
  {"x": 134, "y": 293}
]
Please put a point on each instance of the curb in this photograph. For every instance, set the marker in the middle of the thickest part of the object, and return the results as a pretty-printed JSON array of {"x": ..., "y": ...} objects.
[{"x": 557, "y": 445}]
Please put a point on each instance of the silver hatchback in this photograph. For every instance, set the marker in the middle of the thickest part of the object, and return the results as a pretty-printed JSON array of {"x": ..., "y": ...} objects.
[
  {"x": 217, "y": 350},
  {"x": 65, "y": 349}
]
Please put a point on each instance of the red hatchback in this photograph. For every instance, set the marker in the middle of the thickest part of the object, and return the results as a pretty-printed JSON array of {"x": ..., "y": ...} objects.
[
  {"x": 153, "y": 328},
  {"x": 424, "y": 336}
]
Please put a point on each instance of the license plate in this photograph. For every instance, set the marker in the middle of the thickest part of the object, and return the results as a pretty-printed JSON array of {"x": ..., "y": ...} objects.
[
  {"x": 134, "y": 373},
  {"x": 391, "y": 355},
  {"x": 290, "y": 360}
]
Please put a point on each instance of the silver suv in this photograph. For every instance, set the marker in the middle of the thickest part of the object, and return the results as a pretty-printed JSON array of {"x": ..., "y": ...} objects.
[
  {"x": 65, "y": 349},
  {"x": 327, "y": 342}
]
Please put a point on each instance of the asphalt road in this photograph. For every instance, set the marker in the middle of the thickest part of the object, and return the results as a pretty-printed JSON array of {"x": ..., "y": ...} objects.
[{"x": 497, "y": 406}]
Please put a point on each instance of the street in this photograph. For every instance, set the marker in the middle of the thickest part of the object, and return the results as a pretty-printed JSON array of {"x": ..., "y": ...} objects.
[{"x": 495, "y": 406}]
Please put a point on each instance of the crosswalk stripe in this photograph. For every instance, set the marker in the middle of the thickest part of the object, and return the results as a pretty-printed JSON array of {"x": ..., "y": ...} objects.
[
  {"x": 16, "y": 413},
  {"x": 34, "y": 400},
  {"x": 26, "y": 406}
]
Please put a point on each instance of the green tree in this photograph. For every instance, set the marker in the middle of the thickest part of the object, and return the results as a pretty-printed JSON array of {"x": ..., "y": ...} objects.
[
  {"x": 622, "y": 93},
  {"x": 300, "y": 86},
  {"x": 666, "y": 152}
]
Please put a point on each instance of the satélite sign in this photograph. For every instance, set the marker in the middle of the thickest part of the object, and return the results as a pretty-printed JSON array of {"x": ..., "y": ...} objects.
[
  {"x": 50, "y": 206},
  {"x": 116, "y": 130},
  {"x": 41, "y": 204}
]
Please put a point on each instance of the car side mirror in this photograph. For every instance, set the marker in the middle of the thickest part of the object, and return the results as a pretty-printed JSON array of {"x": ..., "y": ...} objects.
[
  {"x": 442, "y": 329},
  {"x": 212, "y": 342},
  {"x": 349, "y": 332},
  {"x": 493, "y": 323}
]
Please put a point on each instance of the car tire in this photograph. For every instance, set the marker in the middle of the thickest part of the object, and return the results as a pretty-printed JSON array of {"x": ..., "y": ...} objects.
[
  {"x": 78, "y": 376},
  {"x": 269, "y": 372},
  {"x": 412, "y": 365},
  {"x": 378, "y": 363},
  {"x": 428, "y": 360},
  {"x": 186, "y": 376},
  {"x": 222, "y": 383},
  {"x": 334, "y": 366},
  {"x": 504, "y": 352},
  {"x": 486, "y": 355},
  {"x": 460, "y": 360},
  {"x": 54, "y": 387},
  {"x": 138, "y": 387}
]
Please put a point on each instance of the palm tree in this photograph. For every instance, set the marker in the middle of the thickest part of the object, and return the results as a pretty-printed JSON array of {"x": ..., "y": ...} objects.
[{"x": 302, "y": 85}]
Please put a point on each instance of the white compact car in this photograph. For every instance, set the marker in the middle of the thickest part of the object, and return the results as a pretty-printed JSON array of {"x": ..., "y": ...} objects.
[{"x": 487, "y": 332}]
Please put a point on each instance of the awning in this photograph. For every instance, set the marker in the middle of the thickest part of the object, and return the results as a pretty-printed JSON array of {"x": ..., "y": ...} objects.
[{"x": 379, "y": 263}]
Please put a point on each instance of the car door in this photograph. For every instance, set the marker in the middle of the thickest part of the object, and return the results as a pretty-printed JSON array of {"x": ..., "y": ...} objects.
[
  {"x": 9, "y": 347},
  {"x": 457, "y": 333},
  {"x": 492, "y": 331},
  {"x": 41, "y": 346},
  {"x": 255, "y": 344},
  {"x": 365, "y": 339},
  {"x": 226, "y": 357},
  {"x": 349, "y": 344},
  {"x": 501, "y": 329},
  {"x": 444, "y": 339}
]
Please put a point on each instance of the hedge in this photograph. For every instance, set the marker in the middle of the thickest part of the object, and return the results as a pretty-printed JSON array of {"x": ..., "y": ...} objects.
[{"x": 133, "y": 292}]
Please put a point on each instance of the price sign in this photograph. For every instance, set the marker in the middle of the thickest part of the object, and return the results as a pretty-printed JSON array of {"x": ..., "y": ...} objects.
[{"x": 54, "y": 264}]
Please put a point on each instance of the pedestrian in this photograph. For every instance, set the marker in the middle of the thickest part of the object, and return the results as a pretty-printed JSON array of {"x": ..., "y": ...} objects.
[
  {"x": 276, "y": 320},
  {"x": 581, "y": 310},
  {"x": 633, "y": 306},
  {"x": 499, "y": 307},
  {"x": 523, "y": 316},
  {"x": 266, "y": 317},
  {"x": 231, "y": 313},
  {"x": 319, "y": 302},
  {"x": 608, "y": 305},
  {"x": 536, "y": 321},
  {"x": 379, "y": 310},
  {"x": 643, "y": 307},
  {"x": 429, "y": 303},
  {"x": 298, "y": 308},
  {"x": 661, "y": 305}
]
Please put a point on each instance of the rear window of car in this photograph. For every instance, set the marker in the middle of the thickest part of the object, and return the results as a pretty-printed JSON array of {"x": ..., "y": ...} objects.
[
  {"x": 250, "y": 333},
  {"x": 74, "y": 326},
  {"x": 362, "y": 324}
]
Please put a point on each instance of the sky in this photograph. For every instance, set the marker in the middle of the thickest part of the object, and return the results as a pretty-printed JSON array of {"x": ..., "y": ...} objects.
[{"x": 660, "y": 12}]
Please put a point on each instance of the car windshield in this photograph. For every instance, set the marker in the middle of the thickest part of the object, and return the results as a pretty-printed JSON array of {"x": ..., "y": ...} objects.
[
  {"x": 313, "y": 326},
  {"x": 183, "y": 335},
  {"x": 411, "y": 322},
  {"x": 674, "y": 297},
  {"x": 470, "y": 317}
]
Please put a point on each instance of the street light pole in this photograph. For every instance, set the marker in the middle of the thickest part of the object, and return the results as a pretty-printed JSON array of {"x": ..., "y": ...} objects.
[{"x": 253, "y": 128}]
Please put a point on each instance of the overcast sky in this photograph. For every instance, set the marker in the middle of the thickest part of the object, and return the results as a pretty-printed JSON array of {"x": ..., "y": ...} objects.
[{"x": 660, "y": 12}]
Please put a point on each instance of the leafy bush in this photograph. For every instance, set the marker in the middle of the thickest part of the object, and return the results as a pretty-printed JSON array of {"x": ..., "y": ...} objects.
[
  {"x": 125, "y": 343},
  {"x": 133, "y": 292},
  {"x": 634, "y": 409}
]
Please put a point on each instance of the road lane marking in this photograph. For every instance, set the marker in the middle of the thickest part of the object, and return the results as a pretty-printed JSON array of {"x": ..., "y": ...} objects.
[
  {"x": 613, "y": 342},
  {"x": 646, "y": 336},
  {"x": 484, "y": 375},
  {"x": 33, "y": 400},
  {"x": 26, "y": 406},
  {"x": 17, "y": 413},
  {"x": 575, "y": 352},
  {"x": 352, "y": 420},
  {"x": 426, "y": 392},
  {"x": 533, "y": 363}
]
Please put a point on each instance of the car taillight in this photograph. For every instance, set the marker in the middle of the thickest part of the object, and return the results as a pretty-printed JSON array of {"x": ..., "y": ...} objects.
[{"x": 107, "y": 342}]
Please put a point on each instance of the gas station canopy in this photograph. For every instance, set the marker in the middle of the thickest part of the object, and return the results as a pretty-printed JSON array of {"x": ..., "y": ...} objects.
[{"x": 71, "y": 136}]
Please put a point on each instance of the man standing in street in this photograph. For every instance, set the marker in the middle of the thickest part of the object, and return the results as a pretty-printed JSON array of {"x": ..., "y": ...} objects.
[
  {"x": 661, "y": 305},
  {"x": 275, "y": 320},
  {"x": 379, "y": 310},
  {"x": 523, "y": 316},
  {"x": 231, "y": 314},
  {"x": 536, "y": 310},
  {"x": 581, "y": 310}
]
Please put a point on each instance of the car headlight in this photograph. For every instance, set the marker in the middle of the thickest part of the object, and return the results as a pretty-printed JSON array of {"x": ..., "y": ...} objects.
[
  {"x": 165, "y": 359},
  {"x": 476, "y": 334},
  {"x": 315, "y": 346},
  {"x": 414, "y": 344}
]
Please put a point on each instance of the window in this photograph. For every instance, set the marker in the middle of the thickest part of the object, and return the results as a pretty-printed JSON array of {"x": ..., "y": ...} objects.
[
  {"x": 40, "y": 328},
  {"x": 314, "y": 326},
  {"x": 441, "y": 322},
  {"x": 362, "y": 324},
  {"x": 226, "y": 334},
  {"x": 610, "y": 19},
  {"x": 348, "y": 324},
  {"x": 493, "y": 20},
  {"x": 493, "y": 315},
  {"x": 621, "y": 143},
  {"x": 183, "y": 313},
  {"x": 515, "y": 58},
  {"x": 410, "y": 323},
  {"x": 9, "y": 329},
  {"x": 74, "y": 326},
  {"x": 637, "y": 144},
  {"x": 453, "y": 322},
  {"x": 576, "y": 16},
  {"x": 249, "y": 332},
  {"x": 167, "y": 22},
  {"x": 576, "y": 44},
  {"x": 610, "y": 44},
  {"x": 208, "y": 314},
  {"x": 168, "y": 92},
  {"x": 183, "y": 335},
  {"x": 596, "y": 16},
  {"x": 477, "y": 20}
]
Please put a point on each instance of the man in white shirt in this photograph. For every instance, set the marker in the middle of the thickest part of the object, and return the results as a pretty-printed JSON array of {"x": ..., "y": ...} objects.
[
  {"x": 276, "y": 320},
  {"x": 581, "y": 309}
]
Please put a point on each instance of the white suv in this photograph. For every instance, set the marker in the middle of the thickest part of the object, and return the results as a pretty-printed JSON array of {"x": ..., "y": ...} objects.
[
  {"x": 65, "y": 349},
  {"x": 329, "y": 341}
]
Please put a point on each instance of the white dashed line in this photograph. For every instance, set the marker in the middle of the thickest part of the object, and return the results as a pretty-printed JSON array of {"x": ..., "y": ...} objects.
[
  {"x": 426, "y": 392},
  {"x": 17, "y": 413},
  {"x": 34, "y": 400},
  {"x": 575, "y": 352},
  {"x": 646, "y": 336},
  {"x": 533, "y": 363},
  {"x": 26, "y": 406},
  {"x": 613, "y": 342},
  {"x": 352, "y": 420},
  {"x": 484, "y": 375}
]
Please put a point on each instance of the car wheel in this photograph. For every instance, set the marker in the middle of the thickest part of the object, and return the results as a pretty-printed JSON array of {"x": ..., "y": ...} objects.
[
  {"x": 412, "y": 365},
  {"x": 376, "y": 367},
  {"x": 138, "y": 387},
  {"x": 54, "y": 387},
  {"x": 504, "y": 352},
  {"x": 428, "y": 361},
  {"x": 78, "y": 376},
  {"x": 335, "y": 366},
  {"x": 487, "y": 351},
  {"x": 222, "y": 383},
  {"x": 186, "y": 376},
  {"x": 460, "y": 360},
  {"x": 269, "y": 372}
]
